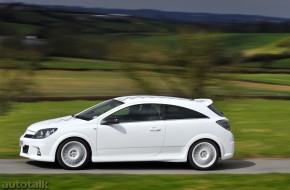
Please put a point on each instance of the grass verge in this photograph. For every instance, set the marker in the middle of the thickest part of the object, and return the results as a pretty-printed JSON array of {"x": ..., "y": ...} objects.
[
  {"x": 279, "y": 79},
  {"x": 201, "y": 182}
]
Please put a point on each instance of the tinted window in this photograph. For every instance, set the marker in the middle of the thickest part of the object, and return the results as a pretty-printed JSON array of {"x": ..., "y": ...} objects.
[
  {"x": 176, "y": 112},
  {"x": 140, "y": 112},
  {"x": 216, "y": 111}
]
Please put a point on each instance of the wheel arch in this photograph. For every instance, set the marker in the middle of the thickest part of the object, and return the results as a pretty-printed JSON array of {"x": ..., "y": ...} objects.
[
  {"x": 69, "y": 136},
  {"x": 209, "y": 137}
]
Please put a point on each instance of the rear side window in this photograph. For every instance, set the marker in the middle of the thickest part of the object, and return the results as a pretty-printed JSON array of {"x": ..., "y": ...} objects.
[
  {"x": 215, "y": 110},
  {"x": 176, "y": 112}
]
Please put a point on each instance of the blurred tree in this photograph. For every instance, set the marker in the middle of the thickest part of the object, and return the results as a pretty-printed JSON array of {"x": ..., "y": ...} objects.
[
  {"x": 129, "y": 49},
  {"x": 18, "y": 81},
  {"x": 13, "y": 84},
  {"x": 127, "y": 52},
  {"x": 11, "y": 43},
  {"x": 199, "y": 56},
  {"x": 65, "y": 44},
  {"x": 13, "y": 48}
]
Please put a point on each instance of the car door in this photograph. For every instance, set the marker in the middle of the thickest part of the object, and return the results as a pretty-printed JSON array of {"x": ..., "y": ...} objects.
[{"x": 140, "y": 132}]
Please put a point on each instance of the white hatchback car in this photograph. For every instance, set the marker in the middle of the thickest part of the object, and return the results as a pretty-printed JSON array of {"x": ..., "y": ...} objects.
[{"x": 134, "y": 128}]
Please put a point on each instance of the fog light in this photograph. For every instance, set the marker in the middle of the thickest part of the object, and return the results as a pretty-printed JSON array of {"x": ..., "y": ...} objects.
[{"x": 38, "y": 152}]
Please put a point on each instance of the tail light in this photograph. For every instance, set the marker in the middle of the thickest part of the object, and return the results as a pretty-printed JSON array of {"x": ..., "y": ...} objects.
[{"x": 224, "y": 123}]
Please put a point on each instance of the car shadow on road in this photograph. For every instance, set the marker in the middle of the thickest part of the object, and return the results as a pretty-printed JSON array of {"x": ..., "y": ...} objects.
[
  {"x": 46, "y": 165},
  {"x": 221, "y": 165},
  {"x": 233, "y": 164}
]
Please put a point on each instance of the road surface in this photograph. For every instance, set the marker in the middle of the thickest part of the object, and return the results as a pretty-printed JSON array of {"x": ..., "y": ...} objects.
[{"x": 253, "y": 166}]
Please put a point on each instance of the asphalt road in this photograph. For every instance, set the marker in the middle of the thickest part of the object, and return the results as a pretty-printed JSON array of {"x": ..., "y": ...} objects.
[{"x": 257, "y": 166}]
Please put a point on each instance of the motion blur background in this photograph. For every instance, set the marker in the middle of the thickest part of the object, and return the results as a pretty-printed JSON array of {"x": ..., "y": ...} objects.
[{"x": 59, "y": 60}]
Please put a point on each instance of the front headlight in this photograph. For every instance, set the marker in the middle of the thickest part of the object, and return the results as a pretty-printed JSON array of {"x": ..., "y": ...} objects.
[{"x": 43, "y": 133}]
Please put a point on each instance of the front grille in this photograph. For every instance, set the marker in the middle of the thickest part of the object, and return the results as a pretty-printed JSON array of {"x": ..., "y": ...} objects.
[
  {"x": 25, "y": 149},
  {"x": 28, "y": 136}
]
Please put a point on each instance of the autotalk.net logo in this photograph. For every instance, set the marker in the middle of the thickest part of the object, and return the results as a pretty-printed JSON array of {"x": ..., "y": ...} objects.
[{"x": 40, "y": 184}]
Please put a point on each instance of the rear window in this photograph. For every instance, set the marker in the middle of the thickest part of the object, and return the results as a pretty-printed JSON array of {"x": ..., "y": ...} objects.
[
  {"x": 215, "y": 110},
  {"x": 176, "y": 112}
]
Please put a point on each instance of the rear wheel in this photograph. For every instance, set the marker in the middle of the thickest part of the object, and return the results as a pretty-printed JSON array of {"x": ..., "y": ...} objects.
[
  {"x": 203, "y": 155},
  {"x": 73, "y": 153}
]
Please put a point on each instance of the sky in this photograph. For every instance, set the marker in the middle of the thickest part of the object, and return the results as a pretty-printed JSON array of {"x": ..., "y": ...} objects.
[{"x": 275, "y": 8}]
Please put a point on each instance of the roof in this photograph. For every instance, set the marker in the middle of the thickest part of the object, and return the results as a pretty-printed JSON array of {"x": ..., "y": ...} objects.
[{"x": 161, "y": 99}]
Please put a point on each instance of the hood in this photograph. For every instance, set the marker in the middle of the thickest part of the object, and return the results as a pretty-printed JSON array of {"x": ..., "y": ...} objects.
[{"x": 66, "y": 121}]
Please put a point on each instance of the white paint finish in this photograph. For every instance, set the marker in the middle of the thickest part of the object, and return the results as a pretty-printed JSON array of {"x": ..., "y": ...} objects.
[
  {"x": 56, "y": 123},
  {"x": 131, "y": 139},
  {"x": 179, "y": 132},
  {"x": 163, "y": 140}
]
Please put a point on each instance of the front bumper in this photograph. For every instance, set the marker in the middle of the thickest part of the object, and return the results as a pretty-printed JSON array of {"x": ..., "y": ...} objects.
[{"x": 37, "y": 149}]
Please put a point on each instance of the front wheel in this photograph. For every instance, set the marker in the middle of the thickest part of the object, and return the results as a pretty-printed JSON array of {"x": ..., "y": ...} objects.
[
  {"x": 73, "y": 154},
  {"x": 203, "y": 155}
]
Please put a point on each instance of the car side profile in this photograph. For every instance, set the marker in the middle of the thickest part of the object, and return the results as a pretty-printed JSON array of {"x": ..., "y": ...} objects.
[{"x": 134, "y": 128}]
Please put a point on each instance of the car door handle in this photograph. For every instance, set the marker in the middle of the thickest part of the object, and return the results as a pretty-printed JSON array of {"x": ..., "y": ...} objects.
[{"x": 155, "y": 129}]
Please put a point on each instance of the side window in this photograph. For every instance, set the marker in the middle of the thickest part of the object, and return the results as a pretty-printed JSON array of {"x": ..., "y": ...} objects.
[
  {"x": 140, "y": 112},
  {"x": 176, "y": 112}
]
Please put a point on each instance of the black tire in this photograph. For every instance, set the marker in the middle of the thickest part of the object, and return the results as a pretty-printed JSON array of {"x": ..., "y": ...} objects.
[
  {"x": 209, "y": 155},
  {"x": 83, "y": 145}
]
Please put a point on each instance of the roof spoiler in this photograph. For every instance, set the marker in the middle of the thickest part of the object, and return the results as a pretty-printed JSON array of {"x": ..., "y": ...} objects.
[{"x": 206, "y": 102}]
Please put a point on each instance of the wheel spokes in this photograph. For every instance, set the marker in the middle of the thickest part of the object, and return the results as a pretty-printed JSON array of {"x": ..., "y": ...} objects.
[
  {"x": 204, "y": 154},
  {"x": 73, "y": 154}
]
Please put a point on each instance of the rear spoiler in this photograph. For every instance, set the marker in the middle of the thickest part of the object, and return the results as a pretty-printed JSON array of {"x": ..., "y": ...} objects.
[{"x": 206, "y": 102}]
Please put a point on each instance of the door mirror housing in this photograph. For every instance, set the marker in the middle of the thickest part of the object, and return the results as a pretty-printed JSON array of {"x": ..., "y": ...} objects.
[{"x": 110, "y": 121}]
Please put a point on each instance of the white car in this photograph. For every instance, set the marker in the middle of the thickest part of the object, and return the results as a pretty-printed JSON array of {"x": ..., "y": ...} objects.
[{"x": 134, "y": 128}]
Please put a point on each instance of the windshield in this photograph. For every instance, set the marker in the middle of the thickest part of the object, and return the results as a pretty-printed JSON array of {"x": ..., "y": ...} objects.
[{"x": 98, "y": 109}]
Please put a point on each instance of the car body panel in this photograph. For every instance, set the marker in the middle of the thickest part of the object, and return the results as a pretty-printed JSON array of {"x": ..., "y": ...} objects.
[
  {"x": 136, "y": 141},
  {"x": 131, "y": 139}
]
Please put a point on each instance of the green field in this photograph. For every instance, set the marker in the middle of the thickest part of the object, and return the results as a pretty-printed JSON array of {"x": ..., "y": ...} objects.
[
  {"x": 107, "y": 83},
  {"x": 61, "y": 83},
  {"x": 274, "y": 65},
  {"x": 22, "y": 29},
  {"x": 85, "y": 83},
  {"x": 279, "y": 79},
  {"x": 251, "y": 89},
  {"x": 75, "y": 63},
  {"x": 282, "y": 63},
  {"x": 155, "y": 48},
  {"x": 167, "y": 182},
  {"x": 233, "y": 41},
  {"x": 244, "y": 41},
  {"x": 260, "y": 126}
]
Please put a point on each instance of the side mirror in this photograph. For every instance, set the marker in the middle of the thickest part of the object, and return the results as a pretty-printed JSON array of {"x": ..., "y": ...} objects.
[{"x": 110, "y": 120}]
